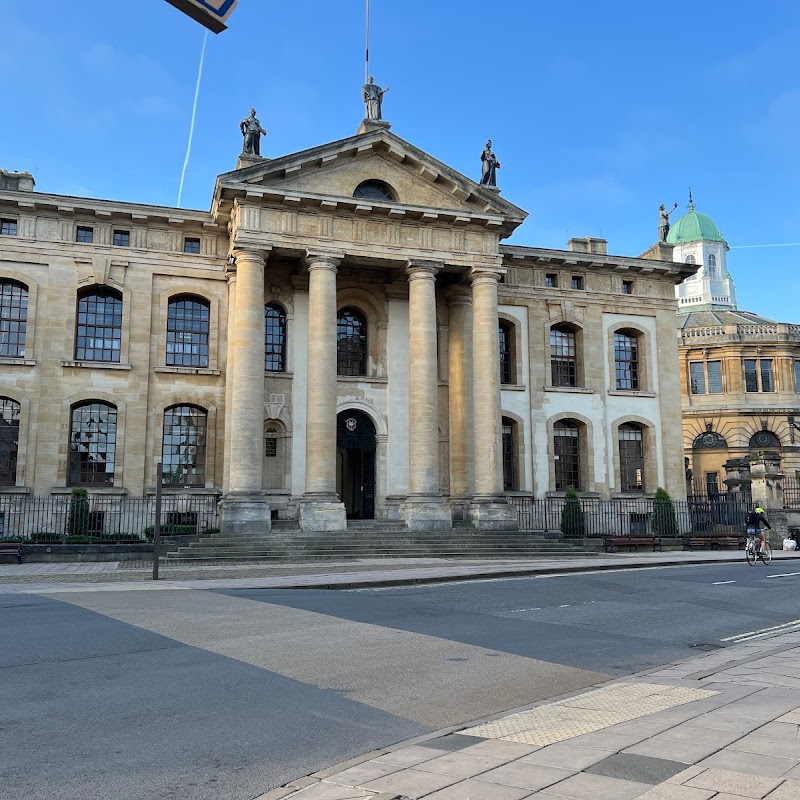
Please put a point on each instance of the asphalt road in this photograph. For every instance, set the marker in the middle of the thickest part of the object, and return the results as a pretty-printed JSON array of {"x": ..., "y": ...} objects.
[{"x": 225, "y": 694}]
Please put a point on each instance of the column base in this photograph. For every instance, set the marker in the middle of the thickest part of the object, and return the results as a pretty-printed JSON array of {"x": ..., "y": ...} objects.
[
  {"x": 322, "y": 515},
  {"x": 242, "y": 512},
  {"x": 493, "y": 514},
  {"x": 427, "y": 514}
]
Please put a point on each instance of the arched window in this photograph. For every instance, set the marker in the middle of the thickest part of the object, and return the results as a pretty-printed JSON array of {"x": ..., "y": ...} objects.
[
  {"x": 563, "y": 356},
  {"x": 276, "y": 455},
  {"x": 566, "y": 452},
  {"x": 351, "y": 342},
  {"x": 712, "y": 266},
  {"x": 92, "y": 444},
  {"x": 13, "y": 319},
  {"x": 631, "y": 458},
  {"x": 375, "y": 190},
  {"x": 508, "y": 371},
  {"x": 509, "y": 455},
  {"x": 9, "y": 440},
  {"x": 690, "y": 259},
  {"x": 274, "y": 338},
  {"x": 763, "y": 439},
  {"x": 626, "y": 360},
  {"x": 99, "y": 330},
  {"x": 183, "y": 448},
  {"x": 187, "y": 331}
]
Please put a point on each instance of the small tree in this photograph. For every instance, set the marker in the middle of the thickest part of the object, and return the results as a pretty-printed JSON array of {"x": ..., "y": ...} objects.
[
  {"x": 665, "y": 523},
  {"x": 78, "y": 519},
  {"x": 572, "y": 521}
]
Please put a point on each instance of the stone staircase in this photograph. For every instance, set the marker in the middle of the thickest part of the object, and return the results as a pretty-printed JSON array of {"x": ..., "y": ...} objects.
[{"x": 374, "y": 539}]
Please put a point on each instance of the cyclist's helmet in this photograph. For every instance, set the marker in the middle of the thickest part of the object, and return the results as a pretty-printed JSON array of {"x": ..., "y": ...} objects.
[{"x": 759, "y": 510}]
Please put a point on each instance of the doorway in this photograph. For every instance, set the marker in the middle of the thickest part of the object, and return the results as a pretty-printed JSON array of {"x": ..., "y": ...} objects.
[{"x": 355, "y": 463}]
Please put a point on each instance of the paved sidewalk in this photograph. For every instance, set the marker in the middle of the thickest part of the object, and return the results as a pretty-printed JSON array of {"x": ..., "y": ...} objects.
[
  {"x": 119, "y": 576},
  {"x": 725, "y": 725}
]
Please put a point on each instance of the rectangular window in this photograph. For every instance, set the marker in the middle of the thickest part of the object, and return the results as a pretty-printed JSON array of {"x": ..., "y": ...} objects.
[
  {"x": 551, "y": 281},
  {"x": 271, "y": 448},
  {"x": 577, "y": 282},
  {"x": 563, "y": 360},
  {"x": 797, "y": 376},
  {"x": 8, "y": 227},
  {"x": 509, "y": 472},
  {"x": 191, "y": 245},
  {"x": 122, "y": 238},
  {"x": 767, "y": 384},
  {"x": 697, "y": 377},
  {"x": 627, "y": 287},
  {"x": 714, "y": 377},
  {"x": 712, "y": 484},
  {"x": 84, "y": 234},
  {"x": 750, "y": 375}
]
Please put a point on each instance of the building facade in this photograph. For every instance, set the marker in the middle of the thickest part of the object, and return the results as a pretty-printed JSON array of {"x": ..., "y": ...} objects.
[
  {"x": 342, "y": 335},
  {"x": 740, "y": 372}
]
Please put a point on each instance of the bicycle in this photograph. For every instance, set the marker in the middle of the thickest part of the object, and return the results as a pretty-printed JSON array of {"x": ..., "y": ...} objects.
[{"x": 765, "y": 553}]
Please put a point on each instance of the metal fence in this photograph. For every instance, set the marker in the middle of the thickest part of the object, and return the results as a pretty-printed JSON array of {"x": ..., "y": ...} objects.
[
  {"x": 99, "y": 519},
  {"x": 635, "y": 516},
  {"x": 791, "y": 492}
]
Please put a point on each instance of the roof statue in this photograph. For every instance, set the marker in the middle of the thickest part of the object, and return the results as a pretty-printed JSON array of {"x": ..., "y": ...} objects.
[
  {"x": 489, "y": 166},
  {"x": 372, "y": 95},
  {"x": 663, "y": 222},
  {"x": 252, "y": 133}
]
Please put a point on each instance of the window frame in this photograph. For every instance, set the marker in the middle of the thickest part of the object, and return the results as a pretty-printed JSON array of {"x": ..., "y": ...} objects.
[
  {"x": 98, "y": 310},
  {"x": 551, "y": 280},
  {"x": 508, "y": 454},
  {"x": 627, "y": 287},
  {"x": 191, "y": 240},
  {"x": 506, "y": 331},
  {"x": 352, "y": 361},
  {"x": 625, "y": 467},
  {"x": 94, "y": 439},
  {"x": 563, "y": 474},
  {"x": 84, "y": 234},
  {"x": 10, "y": 432},
  {"x": 198, "y": 468},
  {"x": 576, "y": 282},
  {"x": 174, "y": 335},
  {"x": 628, "y": 370},
  {"x": 382, "y": 192},
  {"x": 754, "y": 375},
  {"x": 272, "y": 348},
  {"x": 9, "y": 226},
  {"x": 14, "y": 324},
  {"x": 561, "y": 359}
]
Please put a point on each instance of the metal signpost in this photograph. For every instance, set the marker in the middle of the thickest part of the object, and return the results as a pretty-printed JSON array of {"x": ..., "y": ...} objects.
[
  {"x": 157, "y": 526},
  {"x": 213, "y": 14}
]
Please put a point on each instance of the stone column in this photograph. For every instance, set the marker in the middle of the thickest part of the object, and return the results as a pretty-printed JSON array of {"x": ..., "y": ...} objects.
[
  {"x": 462, "y": 468},
  {"x": 231, "y": 328},
  {"x": 425, "y": 508},
  {"x": 245, "y": 507},
  {"x": 490, "y": 508},
  {"x": 320, "y": 509}
]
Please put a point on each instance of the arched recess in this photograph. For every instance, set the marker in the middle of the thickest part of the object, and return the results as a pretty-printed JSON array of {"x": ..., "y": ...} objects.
[
  {"x": 586, "y": 450},
  {"x": 277, "y": 471},
  {"x": 519, "y": 451},
  {"x": 625, "y": 375},
  {"x": 356, "y": 463},
  {"x": 649, "y": 452},
  {"x": 709, "y": 440},
  {"x": 22, "y": 478},
  {"x": 375, "y": 312},
  {"x": 764, "y": 440}
]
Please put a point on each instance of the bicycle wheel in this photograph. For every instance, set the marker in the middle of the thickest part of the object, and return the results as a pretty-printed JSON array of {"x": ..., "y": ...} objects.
[
  {"x": 766, "y": 553},
  {"x": 750, "y": 552}
]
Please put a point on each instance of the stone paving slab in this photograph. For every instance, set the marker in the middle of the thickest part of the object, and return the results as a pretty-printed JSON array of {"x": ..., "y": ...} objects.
[{"x": 725, "y": 740}]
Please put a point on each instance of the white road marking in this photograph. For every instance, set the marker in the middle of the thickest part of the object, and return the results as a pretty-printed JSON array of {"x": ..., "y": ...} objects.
[
  {"x": 721, "y": 583},
  {"x": 785, "y": 628},
  {"x": 520, "y": 610},
  {"x": 784, "y": 575}
]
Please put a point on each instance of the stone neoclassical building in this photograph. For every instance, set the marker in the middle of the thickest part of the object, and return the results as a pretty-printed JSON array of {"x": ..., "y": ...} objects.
[
  {"x": 740, "y": 372},
  {"x": 342, "y": 335}
]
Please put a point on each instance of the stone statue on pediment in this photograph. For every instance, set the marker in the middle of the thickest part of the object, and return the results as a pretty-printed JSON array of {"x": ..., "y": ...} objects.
[
  {"x": 252, "y": 133},
  {"x": 663, "y": 222},
  {"x": 489, "y": 166},
  {"x": 372, "y": 95}
]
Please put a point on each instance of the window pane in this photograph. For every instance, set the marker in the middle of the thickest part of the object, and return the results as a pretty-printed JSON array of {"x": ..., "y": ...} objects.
[
  {"x": 631, "y": 458},
  {"x": 191, "y": 245},
  {"x": 509, "y": 477},
  {"x": 122, "y": 238},
  {"x": 626, "y": 361},
  {"x": 750, "y": 375},
  {"x": 92, "y": 445},
  {"x": 13, "y": 319},
  {"x": 767, "y": 384},
  {"x": 183, "y": 450},
  {"x": 697, "y": 377},
  {"x": 84, "y": 234},
  {"x": 566, "y": 456},
  {"x": 551, "y": 281},
  {"x": 715, "y": 377},
  {"x": 351, "y": 343},
  {"x": 99, "y": 331},
  {"x": 187, "y": 333},
  {"x": 274, "y": 338},
  {"x": 505, "y": 354},
  {"x": 797, "y": 376},
  {"x": 563, "y": 362},
  {"x": 8, "y": 227},
  {"x": 9, "y": 441}
]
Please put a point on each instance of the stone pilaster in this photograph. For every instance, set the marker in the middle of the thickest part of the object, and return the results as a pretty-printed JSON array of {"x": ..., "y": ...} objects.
[
  {"x": 425, "y": 508},
  {"x": 245, "y": 508},
  {"x": 462, "y": 470},
  {"x": 490, "y": 508},
  {"x": 320, "y": 509}
]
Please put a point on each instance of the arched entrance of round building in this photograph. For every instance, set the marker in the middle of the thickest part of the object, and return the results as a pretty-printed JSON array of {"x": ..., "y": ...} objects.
[{"x": 355, "y": 463}]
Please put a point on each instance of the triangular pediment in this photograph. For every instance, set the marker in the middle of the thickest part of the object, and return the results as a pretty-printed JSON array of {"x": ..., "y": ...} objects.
[{"x": 329, "y": 174}]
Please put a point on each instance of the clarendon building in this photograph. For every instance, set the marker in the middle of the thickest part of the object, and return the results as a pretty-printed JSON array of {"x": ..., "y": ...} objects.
[
  {"x": 342, "y": 335},
  {"x": 740, "y": 372}
]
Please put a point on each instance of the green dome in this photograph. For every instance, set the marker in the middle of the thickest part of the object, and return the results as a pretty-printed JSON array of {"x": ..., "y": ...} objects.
[{"x": 693, "y": 227}]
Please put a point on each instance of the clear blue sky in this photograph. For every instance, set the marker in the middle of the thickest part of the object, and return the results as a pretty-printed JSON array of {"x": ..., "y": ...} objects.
[{"x": 599, "y": 111}]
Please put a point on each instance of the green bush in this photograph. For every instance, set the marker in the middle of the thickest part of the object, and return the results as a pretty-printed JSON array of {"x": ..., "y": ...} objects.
[
  {"x": 665, "y": 523},
  {"x": 78, "y": 518},
  {"x": 45, "y": 537},
  {"x": 572, "y": 520},
  {"x": 176, "y": 530},
  {"x": 12, "y": 539}
]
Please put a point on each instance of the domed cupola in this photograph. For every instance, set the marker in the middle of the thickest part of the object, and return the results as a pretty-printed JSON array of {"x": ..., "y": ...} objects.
[{"x": 697, "y": 240}]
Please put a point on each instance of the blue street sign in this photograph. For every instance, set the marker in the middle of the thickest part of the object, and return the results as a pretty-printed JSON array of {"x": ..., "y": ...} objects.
[{"x": 213, "y": 14}]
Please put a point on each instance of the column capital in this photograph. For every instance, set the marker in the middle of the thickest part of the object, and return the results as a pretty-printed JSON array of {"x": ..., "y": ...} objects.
[
  {"x": 458, "y": 295},
  {"x": 417, "y": 268},
  {"x": 243, "y": 255},
  {"x": 486, "y": 274},
  {"x": 323, "y": 259}
]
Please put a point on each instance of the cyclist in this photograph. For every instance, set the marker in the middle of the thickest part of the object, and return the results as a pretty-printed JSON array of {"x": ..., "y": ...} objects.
[{"x": 754, "y": 530}]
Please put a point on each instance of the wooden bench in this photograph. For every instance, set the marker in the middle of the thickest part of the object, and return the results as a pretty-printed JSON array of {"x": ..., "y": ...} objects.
[
  {"x": 690, "y": 542},
  {"x": 11, "y": 549},
  {"x": 725, "y": 541},
  {"x": 631, "y": 542}
]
